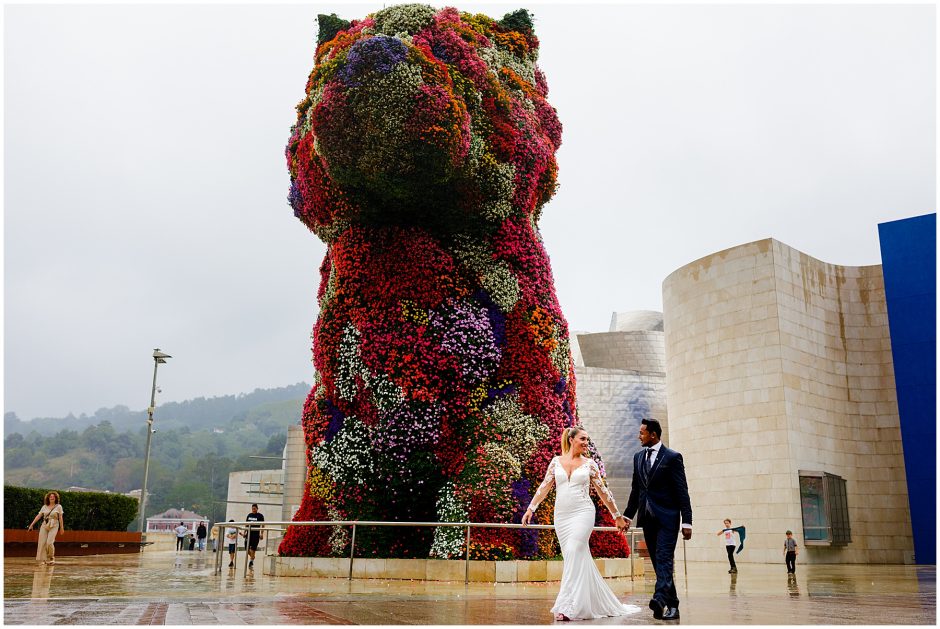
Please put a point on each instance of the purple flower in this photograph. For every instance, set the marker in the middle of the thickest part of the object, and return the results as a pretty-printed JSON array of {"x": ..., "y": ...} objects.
[
  {"x": 463, "y": 330},
  {"x": 295, "y": 198},
  {"x": 378, "y": 54},
  {"x": 408, "y": 428},
  {"x": 336, "y": 421},
  {"x": 496, "y": 316},
  {"x": 528, "y": 539}
]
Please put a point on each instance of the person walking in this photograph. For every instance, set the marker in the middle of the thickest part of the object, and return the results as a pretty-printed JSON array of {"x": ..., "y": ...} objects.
[
  {"x": 253, "y": 535},
  {"x": 215, "y": 535},
  {"x": 790, "y": 551},
  {"x": 201, "y": 533},
  {"x": 53, "y": 521},
  {"x": 181, "y": 531},
  {"x": 231, "y": 538},
  {"x": 727, "y": 535},
  {"x": 659, "y": 498},
  {"x": 583, "y": 593}
]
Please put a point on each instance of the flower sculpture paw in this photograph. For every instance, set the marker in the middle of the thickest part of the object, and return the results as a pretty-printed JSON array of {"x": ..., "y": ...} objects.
[{"x": 422, "y": 155}]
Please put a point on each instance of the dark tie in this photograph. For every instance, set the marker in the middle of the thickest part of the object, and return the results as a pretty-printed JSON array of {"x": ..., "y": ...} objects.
[{"x": 649, "y": 459}]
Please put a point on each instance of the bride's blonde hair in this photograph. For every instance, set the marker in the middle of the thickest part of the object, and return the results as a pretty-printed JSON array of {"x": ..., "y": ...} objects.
[{"x": 567, "y": 435}]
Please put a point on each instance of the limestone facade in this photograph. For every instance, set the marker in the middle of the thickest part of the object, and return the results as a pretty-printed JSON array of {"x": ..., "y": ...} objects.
[
  {"x": 264, "y": 487},
  {"x": 779, "y": 363},
  {"x": 620, "y": 381},
  {"x": 295, "y": 471},
  {"x": 611, "y": 403}
]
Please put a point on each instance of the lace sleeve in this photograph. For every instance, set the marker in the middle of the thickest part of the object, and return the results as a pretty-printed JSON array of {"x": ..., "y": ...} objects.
[
  {"x": 547, "y": 483},
  {"x": 602, "y": 490}
]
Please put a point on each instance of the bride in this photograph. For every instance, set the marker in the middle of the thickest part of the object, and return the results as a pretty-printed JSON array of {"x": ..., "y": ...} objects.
[{"x": 583, "y": 595}]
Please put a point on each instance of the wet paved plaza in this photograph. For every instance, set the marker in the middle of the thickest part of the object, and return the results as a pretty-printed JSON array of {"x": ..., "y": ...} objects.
[{"x": 163, "y": 587}]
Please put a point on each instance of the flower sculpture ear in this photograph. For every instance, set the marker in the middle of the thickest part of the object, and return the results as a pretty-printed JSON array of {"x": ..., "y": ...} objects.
[
  {"x": 422, "y": 154},
  {"x": 330, "y": 25},
  {"x": 519, "y": 21}
]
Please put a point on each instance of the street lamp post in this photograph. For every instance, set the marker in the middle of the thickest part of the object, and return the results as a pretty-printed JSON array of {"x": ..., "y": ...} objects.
[{"x": 158, "y": 358}]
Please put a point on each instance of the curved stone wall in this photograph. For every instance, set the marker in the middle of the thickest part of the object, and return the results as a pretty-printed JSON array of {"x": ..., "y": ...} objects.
[
  {"x": 643, "y": 351},
  {"x": 778, "y": 362},
  {"x": 636, "y": 320}
]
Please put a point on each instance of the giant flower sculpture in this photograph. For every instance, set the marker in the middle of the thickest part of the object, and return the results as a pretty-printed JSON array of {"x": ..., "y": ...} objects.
[{"x": 422, "y": 156}]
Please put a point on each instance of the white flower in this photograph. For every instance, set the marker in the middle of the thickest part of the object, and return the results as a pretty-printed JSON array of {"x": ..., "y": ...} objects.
[
  {"x": 348, "y": 363},
  {"x": 407, "y": 18},
  {"x": 520, "y": 432},
  {"x": 449, "y": 541},
  {"x": 494, "y": 275},
  {"x": 347, "y": 458},
  {"x": 340, "y": 535}
]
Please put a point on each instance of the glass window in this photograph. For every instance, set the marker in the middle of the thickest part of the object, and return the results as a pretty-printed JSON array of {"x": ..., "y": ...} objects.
[
  {"x": 813, "y": 503},
  {"x": 838, "y": 510},
  {"x": 825, "y": 507}
]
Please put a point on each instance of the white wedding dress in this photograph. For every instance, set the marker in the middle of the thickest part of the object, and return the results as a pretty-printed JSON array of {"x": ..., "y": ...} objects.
[{"x": 583, "y": 595}]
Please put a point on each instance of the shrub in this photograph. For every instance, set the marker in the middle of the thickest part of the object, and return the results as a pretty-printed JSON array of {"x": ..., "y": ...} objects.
[{"x": 84, "y": 510}]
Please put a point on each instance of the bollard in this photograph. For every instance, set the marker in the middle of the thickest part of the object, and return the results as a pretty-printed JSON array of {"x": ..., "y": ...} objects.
[
  {"x": 466, "y": 577},
  {"x": 632, "y": 555},
  {"x": 352, "y": 550}
]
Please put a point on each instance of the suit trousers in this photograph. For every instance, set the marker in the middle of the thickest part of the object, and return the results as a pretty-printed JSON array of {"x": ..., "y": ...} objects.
[{"x": 661, "y": 544}]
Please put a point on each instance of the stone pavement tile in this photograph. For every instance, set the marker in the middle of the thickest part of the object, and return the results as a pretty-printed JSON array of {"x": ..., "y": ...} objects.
[
  {"x": 737, "y": 610},
  {"x": 228, "y": 613},
  {"x": 306, "y": 613},
  {"x": 181, "y": 589}
]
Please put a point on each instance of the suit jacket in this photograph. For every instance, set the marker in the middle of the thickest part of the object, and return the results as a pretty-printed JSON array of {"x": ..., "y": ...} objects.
[{"x": 663, "y": 494}]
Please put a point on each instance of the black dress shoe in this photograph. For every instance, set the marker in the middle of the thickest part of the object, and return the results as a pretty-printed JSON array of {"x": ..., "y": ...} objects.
[
  {"x": 657, "y": 608},
  {"x": 671, "y": 613}
]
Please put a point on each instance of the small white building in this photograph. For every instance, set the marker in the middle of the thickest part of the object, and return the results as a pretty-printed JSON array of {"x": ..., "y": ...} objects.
[{"x": 168, "y": 520}]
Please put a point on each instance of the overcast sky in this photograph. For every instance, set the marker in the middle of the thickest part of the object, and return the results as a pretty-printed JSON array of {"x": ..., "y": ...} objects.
[{"x": 145, "y": 185}]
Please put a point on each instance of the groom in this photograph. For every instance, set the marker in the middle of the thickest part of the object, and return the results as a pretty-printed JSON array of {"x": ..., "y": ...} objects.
[{"x": 658, "y": 498}]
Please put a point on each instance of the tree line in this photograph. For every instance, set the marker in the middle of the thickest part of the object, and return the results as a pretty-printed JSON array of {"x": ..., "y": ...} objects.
[{"x": 189, "y": 467}]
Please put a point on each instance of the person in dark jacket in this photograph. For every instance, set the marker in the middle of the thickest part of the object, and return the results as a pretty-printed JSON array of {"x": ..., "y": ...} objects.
[
  {"x": 201, "y": 533},
  {"x": 659, "y": 500}
]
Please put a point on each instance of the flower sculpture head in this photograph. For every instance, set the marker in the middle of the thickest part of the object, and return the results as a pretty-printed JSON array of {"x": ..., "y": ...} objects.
[{"x": 421, "y": 117}]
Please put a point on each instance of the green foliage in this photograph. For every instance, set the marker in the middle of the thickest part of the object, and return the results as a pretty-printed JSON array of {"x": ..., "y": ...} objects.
[
  {"x": 519, "y": 21},
  {"x": 189, "y": 461},
  {"x": 83, "y": 511},
  {"x": 329, "y": 26}
]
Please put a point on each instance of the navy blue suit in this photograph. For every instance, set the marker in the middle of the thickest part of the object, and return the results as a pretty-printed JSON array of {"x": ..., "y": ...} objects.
[{"x": 660, "y": 501}]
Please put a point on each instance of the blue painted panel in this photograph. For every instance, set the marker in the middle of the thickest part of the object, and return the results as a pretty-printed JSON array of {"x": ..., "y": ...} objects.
[{"x": 909, "y": 263}]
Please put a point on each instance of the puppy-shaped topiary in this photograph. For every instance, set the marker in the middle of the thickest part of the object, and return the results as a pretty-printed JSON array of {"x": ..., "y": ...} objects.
[{"x": 422, "y": 156}]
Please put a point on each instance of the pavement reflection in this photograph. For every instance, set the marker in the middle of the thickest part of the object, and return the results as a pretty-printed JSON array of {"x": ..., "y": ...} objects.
[{"x": 165, "y": 587}]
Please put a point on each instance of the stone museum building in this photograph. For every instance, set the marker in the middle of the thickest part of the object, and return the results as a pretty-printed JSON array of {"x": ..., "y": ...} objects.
[
  {"x": 801, "y": 394},
  {"x": 783, "y": 398}
]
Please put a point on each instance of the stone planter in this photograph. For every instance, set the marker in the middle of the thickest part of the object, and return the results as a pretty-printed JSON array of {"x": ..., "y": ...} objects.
[
  {"x": 22, "y": 543},
  {"x": 438, "y": 570}
]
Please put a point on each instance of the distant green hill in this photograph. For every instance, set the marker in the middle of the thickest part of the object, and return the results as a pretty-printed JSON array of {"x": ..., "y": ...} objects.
[
  {"x": 197, "y": 444},
  {"x": 197, "y": 414}
]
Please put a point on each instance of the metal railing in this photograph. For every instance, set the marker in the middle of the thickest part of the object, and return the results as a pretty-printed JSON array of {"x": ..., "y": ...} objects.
[{"x": 281, "y": 526}]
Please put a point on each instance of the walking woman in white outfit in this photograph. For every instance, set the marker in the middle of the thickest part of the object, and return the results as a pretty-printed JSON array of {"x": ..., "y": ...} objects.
[
  {"x": 583, "y": 594},
  {"x": 52, "y": 522}
]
